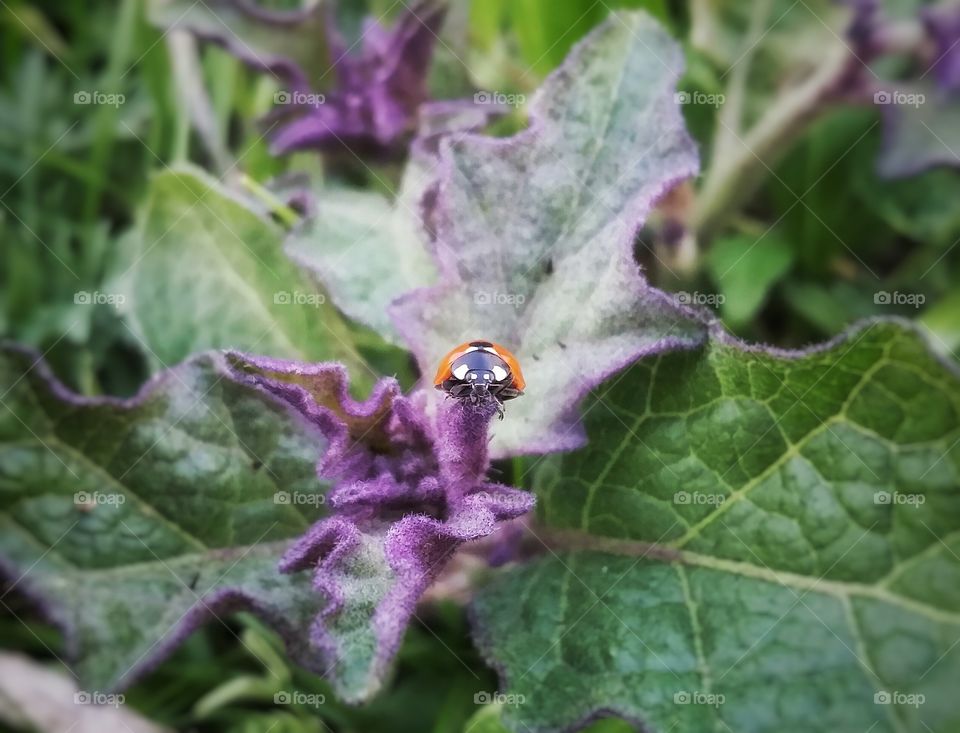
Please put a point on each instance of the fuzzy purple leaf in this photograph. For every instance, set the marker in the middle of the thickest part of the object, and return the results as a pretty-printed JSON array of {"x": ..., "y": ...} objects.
[
  {"x": 332, "y": 95},
  {"x": 407, "y": 492},
  {"x": 534, "y": 234},
  {"x": 379, "y": 90}
]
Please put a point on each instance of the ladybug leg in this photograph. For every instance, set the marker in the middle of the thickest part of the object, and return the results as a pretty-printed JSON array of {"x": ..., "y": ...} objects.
[{"x": 509, "y": 393}]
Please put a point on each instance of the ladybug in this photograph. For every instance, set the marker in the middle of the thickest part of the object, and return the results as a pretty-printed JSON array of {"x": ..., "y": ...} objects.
[{"x": 480, "y": 370}]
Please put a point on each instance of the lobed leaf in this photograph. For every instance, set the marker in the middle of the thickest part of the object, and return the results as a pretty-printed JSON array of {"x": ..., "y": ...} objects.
[
  {"x": 207, "y": 272},
  {"x": 761, "y": 541},
  {"x": 534, "y": 234},
  {"x": 369, "y": 251},
  {"x": 131, "y": 522},
  {"x": 407, "y": 492}
]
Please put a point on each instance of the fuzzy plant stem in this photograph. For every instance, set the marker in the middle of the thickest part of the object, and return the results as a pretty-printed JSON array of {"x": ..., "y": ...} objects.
[{"x": 463, "y": 437}]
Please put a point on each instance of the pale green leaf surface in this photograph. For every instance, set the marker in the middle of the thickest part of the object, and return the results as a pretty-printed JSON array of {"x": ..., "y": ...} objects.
[
  {"x": 534, "y": 233},
  {"x": 206, "y": 272}
]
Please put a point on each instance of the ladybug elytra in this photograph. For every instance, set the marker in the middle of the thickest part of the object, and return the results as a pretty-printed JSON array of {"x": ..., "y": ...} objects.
[{"x": 479, "y": 370}]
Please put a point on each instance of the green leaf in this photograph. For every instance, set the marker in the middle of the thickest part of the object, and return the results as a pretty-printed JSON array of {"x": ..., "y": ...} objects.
[
  {"x": 943, "y": 321},
  {"x": 295, "y": 37},
  {"x": 745, "y": 269},
  {"x": 754, "y": 541},
  {"x": 131, "y": 522},
  {"x": 920, "y": 207},
  {"x": 207, "y": 272}
]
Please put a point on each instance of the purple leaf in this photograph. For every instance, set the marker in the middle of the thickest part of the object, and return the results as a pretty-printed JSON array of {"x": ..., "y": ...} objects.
[
  {"x": 921, "y": 114},
  {"x": 942, "y": 24},
  {"x": 407, "y": 492},
  {"x": 534, "y": 234},
  {"x": 364, "y": 95},
  {"x": 379, "y": 90}
]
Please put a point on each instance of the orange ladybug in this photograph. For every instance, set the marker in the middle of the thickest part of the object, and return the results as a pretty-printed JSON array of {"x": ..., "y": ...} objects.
[{"x": 479, "y": 370}]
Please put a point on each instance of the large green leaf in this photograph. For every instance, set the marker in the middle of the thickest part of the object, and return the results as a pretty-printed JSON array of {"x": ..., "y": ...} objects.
[
  {"x": 779, "y": 530},
  {"x": 208, "y": 272},
  {"x": 131, "y": 522}
]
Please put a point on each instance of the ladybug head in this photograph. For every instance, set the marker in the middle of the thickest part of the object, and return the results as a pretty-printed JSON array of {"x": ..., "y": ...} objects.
[{"x": 478, "y": 371}]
